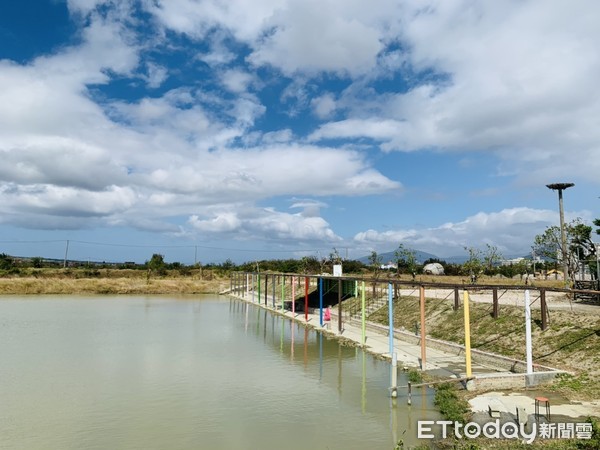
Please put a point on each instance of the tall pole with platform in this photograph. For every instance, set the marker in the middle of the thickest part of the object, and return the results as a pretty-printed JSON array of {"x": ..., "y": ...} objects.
[{"x": 560, "y": 187}]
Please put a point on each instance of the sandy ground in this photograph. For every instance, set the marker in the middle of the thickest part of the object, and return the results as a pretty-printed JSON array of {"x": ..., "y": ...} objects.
[
  {"x": 560, "y": 408},
  {"x": 554, "y": 300}
]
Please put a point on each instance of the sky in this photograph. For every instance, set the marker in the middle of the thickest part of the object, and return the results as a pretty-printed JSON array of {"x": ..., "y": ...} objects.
[{"x": 207, "y": 130}]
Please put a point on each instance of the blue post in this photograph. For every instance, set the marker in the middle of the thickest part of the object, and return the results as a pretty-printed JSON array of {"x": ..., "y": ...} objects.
[
  {"x": 321, "y": 301},
  {"x": 391, "y": 318}
]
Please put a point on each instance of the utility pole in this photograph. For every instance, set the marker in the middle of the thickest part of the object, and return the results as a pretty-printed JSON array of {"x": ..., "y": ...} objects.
[
  {"x": 66, "y": 254},
  {"x": 560, "y": 187}
]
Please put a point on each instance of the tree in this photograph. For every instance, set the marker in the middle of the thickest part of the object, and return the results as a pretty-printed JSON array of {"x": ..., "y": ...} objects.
[
  {"x": 406, "y": 259},
  {"x": 375, "y": 264},
  {"x": 473, "y": 266},
  {"x": 491, "y": 259},
  {"x": 157, "y": 265},
  {"x": 580, "y": 247},
  {"x": 37, "y": 262},
  {"x": 6, "y": 262},
  {"x": 597, "y": 223}
]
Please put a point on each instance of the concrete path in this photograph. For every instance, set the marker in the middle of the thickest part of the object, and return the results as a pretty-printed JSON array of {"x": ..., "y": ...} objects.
[{"x": 439, "y": 363}]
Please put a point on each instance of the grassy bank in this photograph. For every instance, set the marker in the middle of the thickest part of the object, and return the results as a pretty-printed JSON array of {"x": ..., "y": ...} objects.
[
  {"x": 111, "y": 281},
  {"x": 571, "y": 341}
]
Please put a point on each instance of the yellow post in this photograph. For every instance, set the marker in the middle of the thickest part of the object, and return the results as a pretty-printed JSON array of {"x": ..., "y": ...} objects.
[{"x": 467, "y": 334}]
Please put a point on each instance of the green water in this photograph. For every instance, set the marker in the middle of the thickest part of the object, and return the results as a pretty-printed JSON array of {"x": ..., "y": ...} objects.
[{"x": 187, "y": 373}]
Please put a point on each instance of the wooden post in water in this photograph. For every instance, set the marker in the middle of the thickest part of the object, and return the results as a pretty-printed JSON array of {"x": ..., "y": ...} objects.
[
  {"x": 306, "y": 299},
  {"x": 423, "y": 331}
]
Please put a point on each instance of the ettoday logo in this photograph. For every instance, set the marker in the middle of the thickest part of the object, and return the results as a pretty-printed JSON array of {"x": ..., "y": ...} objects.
[{"x": 508, "y": 430}]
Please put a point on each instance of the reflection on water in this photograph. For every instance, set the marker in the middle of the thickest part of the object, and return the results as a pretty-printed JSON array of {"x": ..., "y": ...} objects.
[{"x": 187, "y": 373}]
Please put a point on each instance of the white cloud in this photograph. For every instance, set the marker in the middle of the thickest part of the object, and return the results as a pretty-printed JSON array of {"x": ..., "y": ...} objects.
[
  {"x": 236, "y": 81},
  {"x": 511, "y": 230},
  {"x": 323, "y": 106},
  {"x": 311, "y": 36},
  {"x": 509, "y": 78},
  {"x": 65, "y": 201},
  {"x": 264, "y": 223},
  {"x": 156, "y": 75}
]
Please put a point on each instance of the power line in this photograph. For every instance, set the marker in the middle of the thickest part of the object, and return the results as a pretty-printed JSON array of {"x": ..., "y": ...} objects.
[{"x": 110, "y": 244}]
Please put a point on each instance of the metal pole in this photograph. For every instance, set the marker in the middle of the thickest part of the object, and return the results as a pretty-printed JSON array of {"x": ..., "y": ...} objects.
[
  {"x": 340, "y": 306},
  {"x": 563, "y": 238},
  {"x": 391, "y": 319},
  {"x": 66, "y": 254},
  {"x": 321, "y": 301},
  {"x": 560, "y": 187},
  {"x": 363, "y": 314},
  {"x": 528, "y": 347}
]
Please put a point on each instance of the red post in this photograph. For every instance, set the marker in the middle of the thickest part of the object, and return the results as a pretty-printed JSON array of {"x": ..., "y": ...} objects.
[{"x": 306, "y": 298}]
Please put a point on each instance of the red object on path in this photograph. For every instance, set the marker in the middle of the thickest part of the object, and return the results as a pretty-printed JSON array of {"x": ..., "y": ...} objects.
[{"x": 327, "y": 317}]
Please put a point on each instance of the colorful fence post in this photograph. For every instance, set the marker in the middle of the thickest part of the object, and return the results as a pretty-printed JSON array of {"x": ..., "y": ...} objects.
[
  {"x": 423, "y": 330},
  {"x": 528, "y": 346},
  {"x": 306, "y": 299},
  {"x": 363, "y": 314},
  {"x": 282, "y": 293},
  {"x": 340, "y": 306},
  {"x": 321, "y": 301},
  {"x": 294, "y": 296},
  {"x": 467, "y": 335},
  {"x": 258, "y": 289}
]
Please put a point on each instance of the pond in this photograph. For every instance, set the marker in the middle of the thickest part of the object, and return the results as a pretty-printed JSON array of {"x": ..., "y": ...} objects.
[{"x": 190, "y": 372}]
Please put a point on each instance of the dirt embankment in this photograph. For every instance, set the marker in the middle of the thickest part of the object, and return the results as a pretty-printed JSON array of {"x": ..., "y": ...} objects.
[{"x": 571, "y": 340}]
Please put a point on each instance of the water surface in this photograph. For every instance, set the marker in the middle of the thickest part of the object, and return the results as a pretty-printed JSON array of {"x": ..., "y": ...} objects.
[{"x": 186, "y": 373}]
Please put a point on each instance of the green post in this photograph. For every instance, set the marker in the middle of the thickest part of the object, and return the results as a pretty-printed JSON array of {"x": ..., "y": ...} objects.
[
  {"x": 282, "y": 292},
  {"x": 363, "y": 313}
]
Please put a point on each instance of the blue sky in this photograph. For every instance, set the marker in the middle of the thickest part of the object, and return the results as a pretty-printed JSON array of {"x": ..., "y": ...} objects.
[{"x": 207, "y": 130}]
